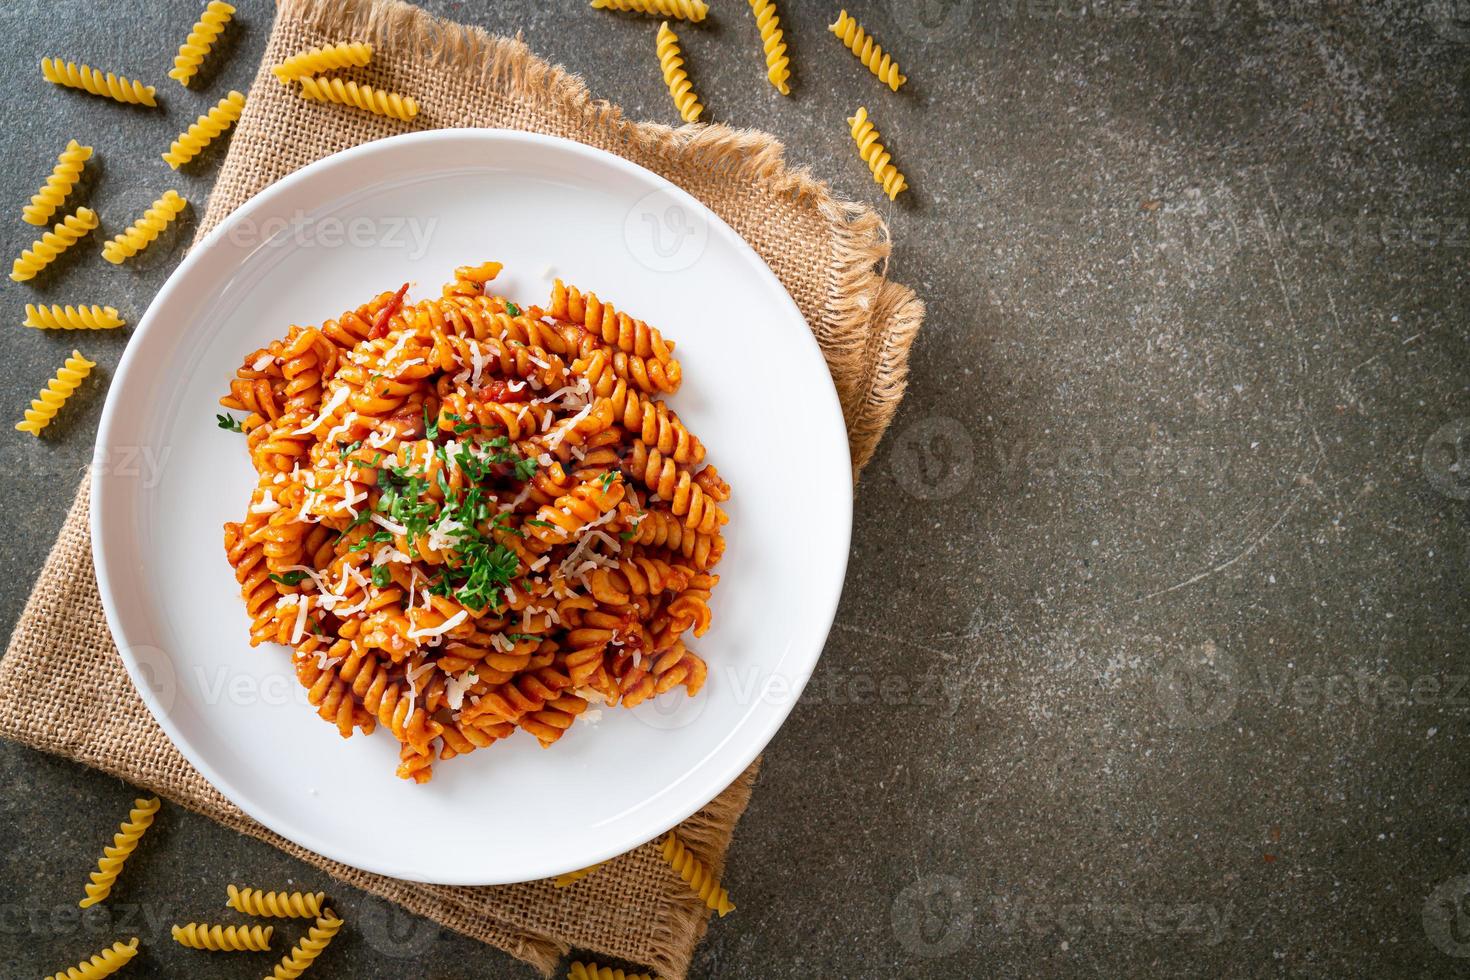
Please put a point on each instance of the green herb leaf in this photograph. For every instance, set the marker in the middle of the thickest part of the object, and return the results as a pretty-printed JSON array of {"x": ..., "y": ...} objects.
[
  {"x": 228, "y": 422},
  {"x": 512, "y": 309},
  {"x": 289, "y": 578},
  {"x": 382, "y": 576}
]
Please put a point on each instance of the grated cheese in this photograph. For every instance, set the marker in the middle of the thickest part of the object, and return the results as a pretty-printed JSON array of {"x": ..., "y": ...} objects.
[{"x": 441, "y": 629}]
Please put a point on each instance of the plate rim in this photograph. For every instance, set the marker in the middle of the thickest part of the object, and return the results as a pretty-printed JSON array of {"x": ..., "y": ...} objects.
[{"x": 106, "y": 484}]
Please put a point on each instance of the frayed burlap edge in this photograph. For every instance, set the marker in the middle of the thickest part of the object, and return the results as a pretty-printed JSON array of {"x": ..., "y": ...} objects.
[{"x": 858, "y": 290}]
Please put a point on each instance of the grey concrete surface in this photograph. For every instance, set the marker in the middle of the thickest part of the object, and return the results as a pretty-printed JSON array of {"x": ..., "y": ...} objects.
[{"x": 1176, "y": 507}]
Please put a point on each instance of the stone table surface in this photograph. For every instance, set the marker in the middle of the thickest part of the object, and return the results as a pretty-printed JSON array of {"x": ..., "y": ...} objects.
[{"x": 1152, "y": 657}]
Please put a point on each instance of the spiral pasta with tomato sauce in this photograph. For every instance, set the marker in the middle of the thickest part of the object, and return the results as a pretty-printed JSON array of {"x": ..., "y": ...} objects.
[{"x": 473, "y": 518}]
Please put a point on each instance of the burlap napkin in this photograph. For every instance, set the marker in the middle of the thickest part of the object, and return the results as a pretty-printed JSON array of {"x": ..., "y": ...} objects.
[{"x": 63, "y": 688}]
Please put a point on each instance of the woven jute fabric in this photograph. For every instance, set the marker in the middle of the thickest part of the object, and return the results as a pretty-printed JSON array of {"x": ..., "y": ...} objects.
[{"x": 62, "y": 685}]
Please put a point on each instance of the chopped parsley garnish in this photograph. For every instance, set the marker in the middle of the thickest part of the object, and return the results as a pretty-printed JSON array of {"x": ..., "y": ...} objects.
[
  {"x": 539, "y": 523},
  {"x": 525, "y": 469},
  {"x": 382, "y": 575},
  {"x": 431, "y": 428},
  {"x": 228, "y": 422},
  {"x": 288, "y": 578},
  {"x": 512, "y": 309}
]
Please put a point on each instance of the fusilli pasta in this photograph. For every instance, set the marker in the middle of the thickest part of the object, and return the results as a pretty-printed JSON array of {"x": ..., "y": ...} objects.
[
  {"x": 140, "y": 818},
  {"x": 675, "y": 77},
  {"x": 72, "y": 317},
  {"x": 142, "y": 233},
  {"x": 875, "y": 155},
  {"x": 345, "y": 92},
  {"x": 201, "y": 38},
  {"x": 89, "y": 79},
  {"x": 453, "y": 525},
  {"x": 205, "y": 130},
  {"x": 197, "y": 935},
  {"x": 691, "y": 10},
  {"x": 63, "y": 178},
  {"x": 861, "y": 43},
  {"x": 44, "y": 250},
  {"x": 778, "y": 66},
  {"x": 293, "y": 905},
  {"x": 352, "y": 54},
  {"x": 104, "y": 964},
  {"x": 591, "y": 971},
  {"x": 305, "y": 952},
  {"x": 572, "y": 877},
  {"x": 696, "y": 875}
]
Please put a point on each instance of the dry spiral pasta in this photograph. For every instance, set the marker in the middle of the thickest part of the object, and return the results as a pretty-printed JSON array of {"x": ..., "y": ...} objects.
[
  {"x": 591, "y": 971},
  {"x": 104, "y": 964},
  {"x": 452, "y": 525},
  {"x": 63, "y": 178},
  {"x": 696, "y": 875},
  {"x": 140, "y": 818},
  {"x": 201, "y": 38},
  {"x": 875, "y": 155},
  {"x": 861, "y": 43},
  {"x": 44, "y": 250},
  {"x": 72, "y": 317},
  {"x": 691, "y": 10},
  {"x": 572, "y": 877},
  {"x": 778, "y": 66},
  {"x": 351, "y": 54},
  {"x": 141, "y": 233},
  {"x": 197, "y": 935},
  {"x": 294, "y": 905},
  {"x": 205, "y": 130},
  {"x": 671, "y": 62},
  {"x": 346, "y": 92},
  {"x": 89, "y": 79},
  {"x": 308, "y": 948}
]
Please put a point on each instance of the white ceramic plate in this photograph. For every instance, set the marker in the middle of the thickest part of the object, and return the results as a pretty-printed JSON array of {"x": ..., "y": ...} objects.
[{"x": 412, "y": 208}]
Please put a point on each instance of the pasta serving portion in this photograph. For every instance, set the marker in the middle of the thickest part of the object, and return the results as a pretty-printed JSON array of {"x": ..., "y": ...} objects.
[{"x": 473, "y": 517}]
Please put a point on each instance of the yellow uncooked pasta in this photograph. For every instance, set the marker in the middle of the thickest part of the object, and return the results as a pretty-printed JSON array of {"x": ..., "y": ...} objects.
[
  {"x": 104, "y": 964},
  {"x": 305, "y": 952},
  {"x": 672, "y": 64},
  {"x": 140, "y": 818},
  {"x": 72, "y": 317},
  {"x": 352, "y": 54},
  {"x": 591, "y": 971},
  {"x": 64, "y": 176},
  {"x": 196, "y": 46},
  {"x": 366, "y": 97},
  {"x": 696, "y": 875},
  {"x": 89, "y": 79},
  {"x": 292, "y": 905},
  {"x": 693, "y": 10},
  {"x": 197, "y": 935},
  {"x": 44, "y": 250},
  {"x": 205, "y": 130},
  {"x": 572, "y": 877},
  {"x": 778, "y": 66},
  {"x": 875, "y": 155},
  {"x": 861, "y": 43},
  {"x": 141, "y": 233}
]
